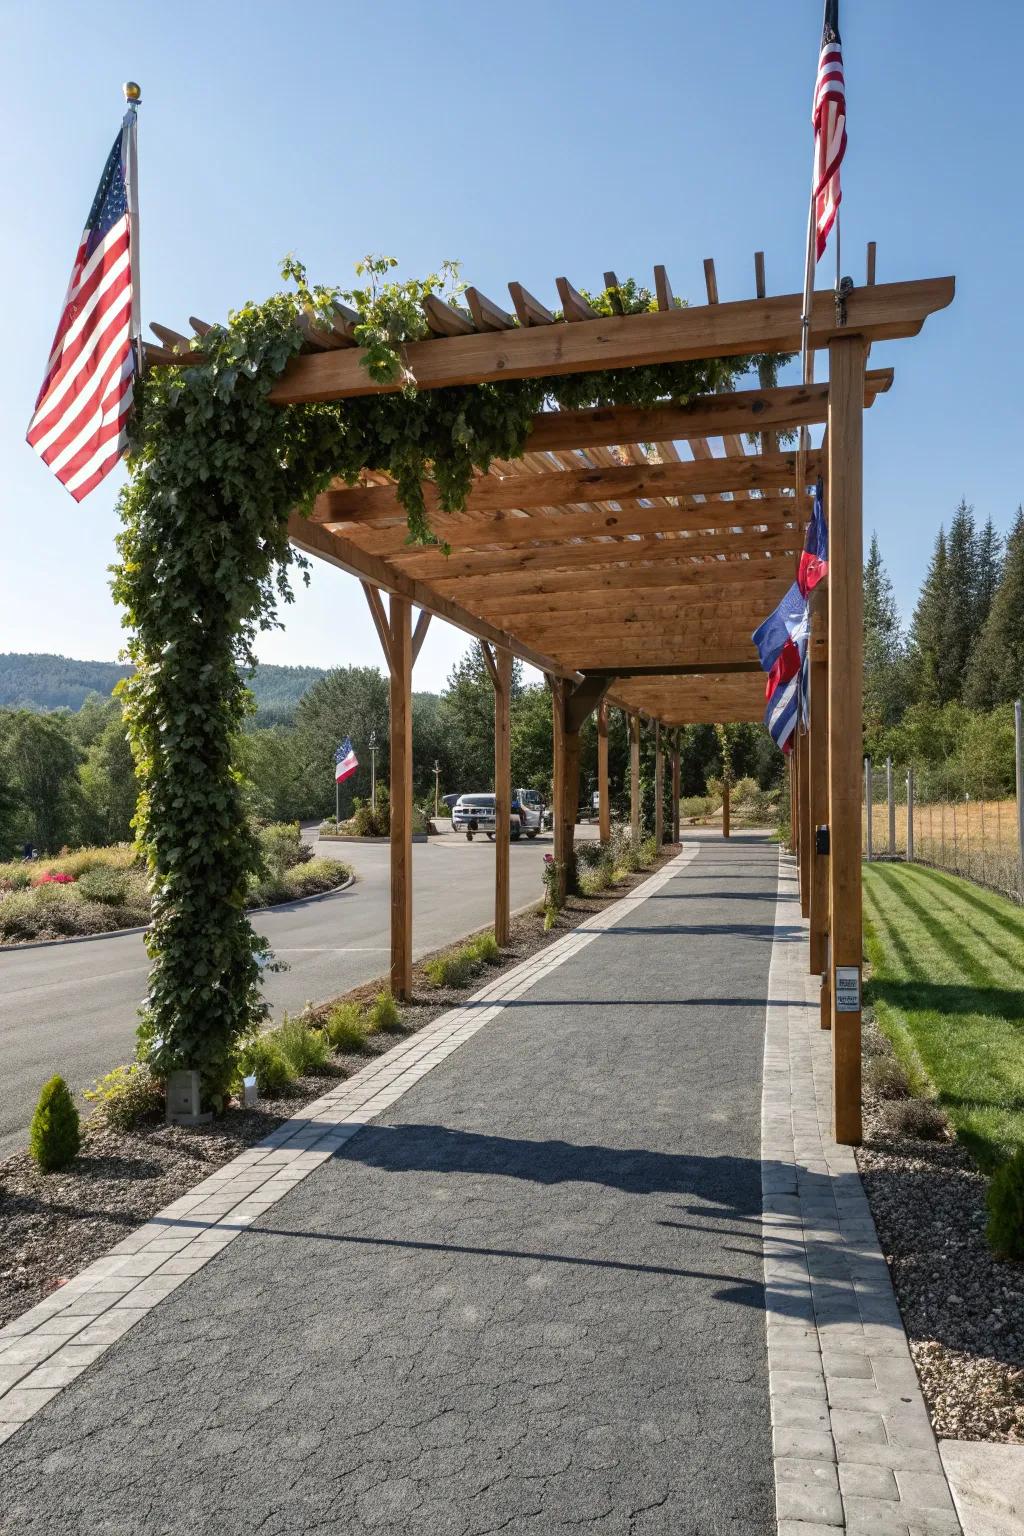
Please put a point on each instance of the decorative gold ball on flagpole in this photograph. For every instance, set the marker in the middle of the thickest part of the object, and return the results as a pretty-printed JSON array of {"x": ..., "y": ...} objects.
[{"x": 132, "y": 91}]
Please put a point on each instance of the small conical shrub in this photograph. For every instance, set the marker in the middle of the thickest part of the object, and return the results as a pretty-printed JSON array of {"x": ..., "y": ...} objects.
[
  {"x": 55, "y": 1135},
  {"x": 1006, "y": 1208}
]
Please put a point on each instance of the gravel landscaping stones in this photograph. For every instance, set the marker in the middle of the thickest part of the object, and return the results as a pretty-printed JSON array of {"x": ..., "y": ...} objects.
[{"x": 962, "y": 1309}]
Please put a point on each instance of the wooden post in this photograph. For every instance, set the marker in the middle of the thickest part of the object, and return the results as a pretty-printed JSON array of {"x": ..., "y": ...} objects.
[
  {"x": 890, "y": 795},
  {"x": 845, "y": 648},
  {"x": 659, "y": 788},
  {"x": 604, "y": 806},
  {"x": 566, "y": 789},
  {"x": 400, "y": 630},
  {"x": 869, "y": 807},
  {"x": 675, "y": 789},
  {"x": 792, "y": 804},
  {"x": 910, "y": 814},
  {"x": 802, "y": 746},
  {"x": 725, "y": 803},
  {"x": 634, "y": 777},
  {"x": 502, "y": 791},
  {"x": 818, "y": 777}
]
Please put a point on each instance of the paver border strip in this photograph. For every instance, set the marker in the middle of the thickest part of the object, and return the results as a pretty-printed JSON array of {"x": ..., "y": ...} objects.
[
  {"x": 853, "y": 1445},
  {"x": 52, "y": 1343}
]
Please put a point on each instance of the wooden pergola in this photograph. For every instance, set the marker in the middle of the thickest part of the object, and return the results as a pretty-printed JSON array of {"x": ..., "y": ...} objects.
[{"x": 629, "y": 554}]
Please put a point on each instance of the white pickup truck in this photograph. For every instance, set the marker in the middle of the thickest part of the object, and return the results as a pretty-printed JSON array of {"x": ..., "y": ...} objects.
[{"x": 476, "y": 813}]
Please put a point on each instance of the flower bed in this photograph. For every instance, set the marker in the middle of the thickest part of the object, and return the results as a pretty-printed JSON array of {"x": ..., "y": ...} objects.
[{"x": 101, "y": 890}]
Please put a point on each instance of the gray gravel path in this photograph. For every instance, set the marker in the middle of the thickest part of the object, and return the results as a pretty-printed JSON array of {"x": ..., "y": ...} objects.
[{"x": 528, "y": 1301}]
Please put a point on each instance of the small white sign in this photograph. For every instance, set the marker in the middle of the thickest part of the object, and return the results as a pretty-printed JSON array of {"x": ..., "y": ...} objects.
[{"x": 847, "y": 989}]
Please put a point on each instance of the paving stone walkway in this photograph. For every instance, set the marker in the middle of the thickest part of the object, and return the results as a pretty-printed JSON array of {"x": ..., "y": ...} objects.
[{"x": 512, "y": 1277}]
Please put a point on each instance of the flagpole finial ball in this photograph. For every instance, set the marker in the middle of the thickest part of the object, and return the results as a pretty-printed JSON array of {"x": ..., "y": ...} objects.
[{"x": 132, "y": 91}]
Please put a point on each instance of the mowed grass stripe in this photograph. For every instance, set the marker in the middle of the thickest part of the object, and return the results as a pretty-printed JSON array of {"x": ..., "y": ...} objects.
[{"x": 947, "y": 985}]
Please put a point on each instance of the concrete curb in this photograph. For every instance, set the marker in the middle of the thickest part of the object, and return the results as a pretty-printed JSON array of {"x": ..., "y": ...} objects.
[{"x": 119, "y": 933}]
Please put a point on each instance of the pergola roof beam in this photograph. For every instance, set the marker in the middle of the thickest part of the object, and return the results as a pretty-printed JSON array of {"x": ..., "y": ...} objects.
[{"x": 884, "y": 311}]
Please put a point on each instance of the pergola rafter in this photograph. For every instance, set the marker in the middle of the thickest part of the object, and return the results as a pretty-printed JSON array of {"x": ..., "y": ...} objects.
[{"x": 630, "y": 552}]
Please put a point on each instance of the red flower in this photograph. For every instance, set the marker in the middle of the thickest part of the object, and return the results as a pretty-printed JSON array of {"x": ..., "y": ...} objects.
[{"x": 54, "y": 879}]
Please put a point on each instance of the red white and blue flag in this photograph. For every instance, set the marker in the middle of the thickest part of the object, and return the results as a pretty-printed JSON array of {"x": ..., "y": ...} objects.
[
  {"x": 79, "y": 427},
  {"x": 345, "y": 761},
  {"x": 814, "y": 559},
  {"x": 828, "y": 116},
  {"x": 781, "y": 640}
]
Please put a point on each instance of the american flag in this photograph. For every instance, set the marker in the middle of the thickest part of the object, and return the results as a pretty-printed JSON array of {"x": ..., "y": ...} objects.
[
  {"x": 345, "y": 761},
  {"x": 80, "y": 423},
  {"x": 828, "y": 116}
]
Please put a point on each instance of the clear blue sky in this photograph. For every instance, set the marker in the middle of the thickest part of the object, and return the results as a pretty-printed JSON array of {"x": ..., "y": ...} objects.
[{"x": 529, "y": 140}]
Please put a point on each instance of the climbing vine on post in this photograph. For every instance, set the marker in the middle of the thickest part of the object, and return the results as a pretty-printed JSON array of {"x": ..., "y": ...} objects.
[{"x": 205, "y": 562}]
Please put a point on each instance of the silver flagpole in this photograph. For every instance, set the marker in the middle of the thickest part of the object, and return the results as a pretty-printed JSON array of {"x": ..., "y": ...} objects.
[{"x": 133, "y": 96}]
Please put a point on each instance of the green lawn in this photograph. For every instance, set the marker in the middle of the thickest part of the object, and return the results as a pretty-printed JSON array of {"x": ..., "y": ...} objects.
[{"x": 947, "y": 986}]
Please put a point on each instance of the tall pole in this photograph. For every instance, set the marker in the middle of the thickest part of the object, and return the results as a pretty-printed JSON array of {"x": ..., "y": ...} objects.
[
  {"x": 659, "y": 788},
  {"x": 634, "y": 777},
  {"x": 847, "y": 355},
  {"x": 675, "y": 789},
  {"x": 502, "y": 791},
  {"x": 891, "y": 797},
  {"x": 437, "y": 787},
  {"x": 869, "y": 808},
  {"x": 130, "y": 155},
  {"x": 373, "y": 770},
  {"x": 910, "y": 814},
  {"x": 400, "y": 652},
  {"x": 337, "y": 802},
  {"x": 604, "y": 810},
  {"x": 1018, "y": 731}
]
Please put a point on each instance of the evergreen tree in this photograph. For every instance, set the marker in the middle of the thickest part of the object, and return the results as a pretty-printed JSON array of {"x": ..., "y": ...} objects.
[
  {"x": 997, "y": 669},
  {"x": 990, "y": 572},
  {"x": 884, "y": 680},
  {"x": 959, "y": 628},
  {"x": 927, "y": 626}
]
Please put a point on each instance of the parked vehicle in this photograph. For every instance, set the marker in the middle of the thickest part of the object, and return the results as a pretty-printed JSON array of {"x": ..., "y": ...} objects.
[{"x": 476, "y": 813}]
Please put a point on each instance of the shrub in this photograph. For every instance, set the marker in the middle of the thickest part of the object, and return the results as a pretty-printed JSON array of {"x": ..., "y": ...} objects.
[
  {"x": 598, "y": 878},
  {"x": 306, "y": 1050},
  {"x": 262, "y": 1058},
  {"x": 648, "y": 852},
  {"x": 1005, "y": 1199},
  {"x": 315, "y": 877},
  {"x": 887, "y": 1079},
  {"x": 550, "y": 918},
  {"x": 695, "y": 807},
  {"x": 368, "y": 821},
  {"x": 13, "y": 878},
  {"x": 127, "y": 1096},
  {"x": 101, "y": 883},
  {"x": 384, "y": 1014},
  {"x": 919, "y": 1119},
  {"x": 282, "y": 847},
  {"x": 485, "y": 947},
  {"x": 454, "y": 969},
  {"x": 347, "y": 1028},
  {"x": 55, "y": 1135}
]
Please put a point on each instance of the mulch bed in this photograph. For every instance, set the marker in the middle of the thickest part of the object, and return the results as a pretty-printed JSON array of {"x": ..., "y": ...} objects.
[
  {"x": 52, "y": 1225},
  {"x": 962, "y": 1309}
]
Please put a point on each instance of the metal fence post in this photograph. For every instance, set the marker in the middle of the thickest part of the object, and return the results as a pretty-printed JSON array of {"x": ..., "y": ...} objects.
[
  {"x": 1019, "y": 743},
  {"x": 910, "y": 815},
  {"x": 891, "y": 795},
  {"x": 868, "y": 787}
]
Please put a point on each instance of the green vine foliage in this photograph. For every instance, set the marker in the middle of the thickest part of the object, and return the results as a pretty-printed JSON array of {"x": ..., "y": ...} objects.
[{"x": 205, "y": 564}]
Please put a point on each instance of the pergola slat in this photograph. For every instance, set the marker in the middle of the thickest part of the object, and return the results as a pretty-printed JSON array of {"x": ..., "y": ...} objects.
[
  {"x": 772, "y": 471},
  {"x": 433, "y": 565}
]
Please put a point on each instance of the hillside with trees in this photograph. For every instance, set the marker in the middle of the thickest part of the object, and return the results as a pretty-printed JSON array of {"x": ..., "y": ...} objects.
[{"x": 44, "y": 682}]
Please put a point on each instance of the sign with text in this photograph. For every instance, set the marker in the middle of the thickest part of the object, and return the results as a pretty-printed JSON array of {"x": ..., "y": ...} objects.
[{"x": 847, "y": 989}]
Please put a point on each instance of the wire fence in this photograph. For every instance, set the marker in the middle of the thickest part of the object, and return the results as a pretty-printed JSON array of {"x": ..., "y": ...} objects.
[{"x": 909, "y": 813}]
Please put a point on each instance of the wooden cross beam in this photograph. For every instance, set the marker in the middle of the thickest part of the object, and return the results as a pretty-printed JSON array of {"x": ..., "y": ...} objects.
[{"x": 886, "y": 310}]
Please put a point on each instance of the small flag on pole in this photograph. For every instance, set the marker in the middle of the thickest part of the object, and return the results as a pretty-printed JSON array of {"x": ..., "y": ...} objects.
[
  {"x": 814, "y": 559},
  {"x": 828, "y": 116},
  {"x": 79, "y": 427},
  {"x": 345, "y": 761}
]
